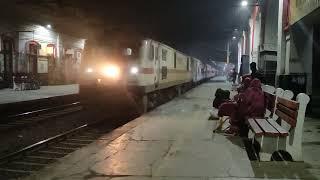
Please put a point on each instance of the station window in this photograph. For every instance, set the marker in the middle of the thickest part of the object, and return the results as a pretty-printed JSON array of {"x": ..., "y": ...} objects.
[
  {"x": 164, "y": 54},
  {"x": 175, "y": 60},
  {"x": 151, "y": 53}
]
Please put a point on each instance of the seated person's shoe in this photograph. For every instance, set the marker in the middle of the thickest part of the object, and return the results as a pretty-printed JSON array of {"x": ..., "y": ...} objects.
[{"x": 230, "y": 132}]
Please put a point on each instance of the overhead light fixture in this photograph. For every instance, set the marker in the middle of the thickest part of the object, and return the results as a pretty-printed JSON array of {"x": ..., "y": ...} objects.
[
  {"x": 49, "y": 26},
  {"x": 244, "y": 3},
  {"x": 234, "y": 38}
]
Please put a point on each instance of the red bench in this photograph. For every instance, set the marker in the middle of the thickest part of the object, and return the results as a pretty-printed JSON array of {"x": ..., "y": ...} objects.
[
  {"x": 284, "y": 133},
  {"x": 271, "y": 95}
]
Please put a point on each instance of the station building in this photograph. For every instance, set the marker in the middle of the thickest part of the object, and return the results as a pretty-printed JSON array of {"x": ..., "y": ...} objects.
[
  {"x": 285, "y": 42},
  {"x": 31, "y": 49},
  {"x": 304, "y": 39},
  {"x": 263, "y": 37}
]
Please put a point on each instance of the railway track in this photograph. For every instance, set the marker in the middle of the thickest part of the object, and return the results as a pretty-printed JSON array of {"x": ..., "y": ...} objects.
[
  {"x": 36, "y": 156},
  {"x": 21, "y": 120}
]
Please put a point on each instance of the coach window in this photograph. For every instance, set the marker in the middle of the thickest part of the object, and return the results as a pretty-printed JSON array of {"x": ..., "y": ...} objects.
[
  {"x": 187, "y": 64},
  {"x": 164, "y": 55},
  {"x": 151, "y": 53},
  {"x": 175, "y": 60}
]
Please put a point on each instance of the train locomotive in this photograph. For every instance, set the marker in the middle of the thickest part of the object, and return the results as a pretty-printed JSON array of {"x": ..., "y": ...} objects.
[{"x": 145, "y": 71}]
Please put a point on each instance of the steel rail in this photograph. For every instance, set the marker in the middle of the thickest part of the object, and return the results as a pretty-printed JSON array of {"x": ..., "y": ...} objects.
[
  {"x": 43, "y": 110},
  {"x": 29, "y": 148}
]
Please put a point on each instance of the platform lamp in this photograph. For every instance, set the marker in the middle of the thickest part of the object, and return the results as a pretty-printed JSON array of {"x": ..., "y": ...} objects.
[{"x": 244, "y": 3}]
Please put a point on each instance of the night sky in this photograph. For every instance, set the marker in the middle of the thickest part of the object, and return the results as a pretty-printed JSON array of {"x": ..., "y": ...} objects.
[{"x": 198, "y": 27}]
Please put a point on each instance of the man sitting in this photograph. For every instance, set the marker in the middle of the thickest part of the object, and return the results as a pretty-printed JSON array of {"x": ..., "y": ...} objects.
[
  {"x": 223, "y": 96},
  {"x": 250, "y": 103},
  {"x": 243, "y": 87},
  {"x": 255, "y": 72}
]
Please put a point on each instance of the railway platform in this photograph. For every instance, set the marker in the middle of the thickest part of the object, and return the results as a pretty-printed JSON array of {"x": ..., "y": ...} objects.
[
  {"x": 15, "y": 102},
  {"x": 11, "y": 96},
  {"x": 175, "y": 142}
]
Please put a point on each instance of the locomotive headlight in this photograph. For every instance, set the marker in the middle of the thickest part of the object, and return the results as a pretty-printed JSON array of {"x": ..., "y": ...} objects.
[
  {"x": 89, "y": 70},
  {"x": 111, "y": 71},
  {"x": 134, "y": 70}
]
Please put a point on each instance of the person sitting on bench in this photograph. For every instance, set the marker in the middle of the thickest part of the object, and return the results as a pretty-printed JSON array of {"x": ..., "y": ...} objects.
[
  {"x": 255, "y": 73},
  {"x": 223, "y": 96},
  {"x": 244, "y": 85},
  {"x": 250, "y": 103}
]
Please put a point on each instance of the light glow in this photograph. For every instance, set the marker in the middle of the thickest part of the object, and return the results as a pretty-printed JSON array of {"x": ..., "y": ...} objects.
[
  {"x": 49, "y": 26},
  {"x": 50, "y": 50},
  {"x": 134, "y": 70},
  {"x": 244, "y": 3},
  {"x": 89, "y": 70},
  {"x": 111, "y": 71}
]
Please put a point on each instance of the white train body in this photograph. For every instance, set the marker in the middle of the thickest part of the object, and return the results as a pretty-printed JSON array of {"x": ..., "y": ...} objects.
[
  {"x": 210, "y": 71},
  {"x": 198, "y": 71},
  {"x": 146, "y": 70},
  {"x": 159, "y": 67}
]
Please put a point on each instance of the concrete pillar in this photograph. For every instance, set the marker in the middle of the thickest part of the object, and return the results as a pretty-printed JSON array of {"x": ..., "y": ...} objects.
[
  {"x": 267, "y": 60},
  {"x": 281, "y": 44},
  {"x": 288, "y": 51},
  {"x": 58, "y": 47},
  {"x": 239, "y": 55},
  {"x": 228, "y": 52},
  {"x": 254, "y": 38}
]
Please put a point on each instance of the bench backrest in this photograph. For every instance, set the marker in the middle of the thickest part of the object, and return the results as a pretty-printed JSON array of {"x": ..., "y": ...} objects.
[
  {"x": 287, "y": 94},
  {"x": 287, "y": 110},
  {"x": 270, "y": 102},
  {"x": 269, "y": 98},
  {"x": 268, "y": 89},
  {"x": 271, "y": 95},
  {"x": 292, "y": 112}
]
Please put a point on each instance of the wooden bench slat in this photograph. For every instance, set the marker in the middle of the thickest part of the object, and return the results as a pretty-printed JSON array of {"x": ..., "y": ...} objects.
[
  {"x": 286, "y": 118},
  {"x": 288, "y": 111},
  {"x": 268, "y": 129},
  {"x": 289, "y": 103},
  {"x": 255, "y": 127},
  {"x": 283, "y": 132}
]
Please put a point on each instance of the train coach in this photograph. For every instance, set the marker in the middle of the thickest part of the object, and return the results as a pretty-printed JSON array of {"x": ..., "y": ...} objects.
[{"x": 147, "y": 71}]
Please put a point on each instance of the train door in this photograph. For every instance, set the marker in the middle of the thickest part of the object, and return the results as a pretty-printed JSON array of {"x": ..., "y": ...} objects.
[
  {"x": 7, "y": 60},
  {"x": 199, "y": 71},
  {"x": 193, "y": 68},
  {"x": 157, "y": 66}
]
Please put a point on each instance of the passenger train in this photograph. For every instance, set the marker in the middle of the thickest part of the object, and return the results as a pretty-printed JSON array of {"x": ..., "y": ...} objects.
[{"x": 147, "y": 71}]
